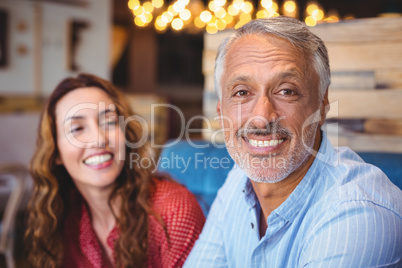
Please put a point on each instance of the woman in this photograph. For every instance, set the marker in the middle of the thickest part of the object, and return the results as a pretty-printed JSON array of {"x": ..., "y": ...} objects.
[{"x": 90, "y": 207}]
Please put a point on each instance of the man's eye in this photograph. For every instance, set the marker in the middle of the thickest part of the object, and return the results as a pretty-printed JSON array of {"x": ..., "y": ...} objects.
[
  {"x": 287, "y": 92},
  {"x": 241, "y": 93}
]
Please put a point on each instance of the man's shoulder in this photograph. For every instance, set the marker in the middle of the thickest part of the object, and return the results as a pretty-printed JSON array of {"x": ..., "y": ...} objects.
[{"x": 355, "y": 180}]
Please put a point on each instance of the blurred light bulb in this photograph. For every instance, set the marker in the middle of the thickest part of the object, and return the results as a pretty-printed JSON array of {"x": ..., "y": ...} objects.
[
  {"x": 310, "y": 8},
  {"x": 211, "y": 28},
  {"x": 133, "y": 4},
  {"x": 160, "y": 28},
  {"x": 206, "y": 16},
  {"x": 139, "y": 22},
  {"x": 184, "y": 2},
  {"x": 318, "y": 14},
  {"x": 247, "y": 7},
  {"x": 160, "y": 22},
  {"x": 232, "y": 10},
  {"x": 310, "y": 21},
  {"x": 148, "y": 7},
  {"x": 220, "y": 24},
  {"x": 177, "y": 24},
  {"x": 172, "y": 10},
  {"x": 238, "y": 4},
  {"x": 148, "y": 17},
  {"x": 198, "y": 22},
  {"x": 289, "y": 6},
  {"x": 220, "y": 13},
  {"x": 185, "y": 14},
  {"x": 266, "y": 3},
  {"x": 178, "y": 7},
  {"x": 332, "y": 16},
  {"x": 157, "y": 3},
  {"x": 262, "y": 14},
  {"x": 167, "y": 16},
  {"x": 139, "y": 11},
  {"x": 228, "y": 18},
  {"x": 220, "y": 2},
  {"x": 213, "y": 6}
]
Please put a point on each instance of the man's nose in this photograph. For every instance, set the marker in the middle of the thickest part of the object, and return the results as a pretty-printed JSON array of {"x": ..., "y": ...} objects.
[{"x": 264, "y": 112}]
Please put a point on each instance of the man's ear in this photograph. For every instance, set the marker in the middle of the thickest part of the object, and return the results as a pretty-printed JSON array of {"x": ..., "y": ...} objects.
[
  {"x": 218, "y": 110},
  {"x": 324, "y": 108}
]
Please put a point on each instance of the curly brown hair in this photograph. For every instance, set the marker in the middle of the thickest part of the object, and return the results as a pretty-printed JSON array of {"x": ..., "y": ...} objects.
[{"x": 52, "y": 185}]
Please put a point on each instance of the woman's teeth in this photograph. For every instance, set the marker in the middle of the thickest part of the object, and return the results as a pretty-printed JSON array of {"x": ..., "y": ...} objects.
[
  {"x": 266, "y": 143},
  {"x": 98, "y": 159}
]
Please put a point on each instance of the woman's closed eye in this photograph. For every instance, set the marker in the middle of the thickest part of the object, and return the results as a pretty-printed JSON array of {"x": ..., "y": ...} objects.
[
  {"x": 76, "y": 129},
  {"x": 111, "y": 121}
]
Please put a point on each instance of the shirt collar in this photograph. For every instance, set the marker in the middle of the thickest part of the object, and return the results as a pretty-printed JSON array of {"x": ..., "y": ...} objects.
[{"x": 289, "y": 209}]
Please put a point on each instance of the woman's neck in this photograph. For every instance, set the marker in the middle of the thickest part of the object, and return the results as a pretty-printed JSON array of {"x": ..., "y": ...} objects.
[
  {"x": 102, "y": 218},
  {"x": 98, "y": 203}
]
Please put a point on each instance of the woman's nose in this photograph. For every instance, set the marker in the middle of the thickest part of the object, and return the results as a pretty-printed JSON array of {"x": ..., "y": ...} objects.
[{"x": 98, "y": 136}]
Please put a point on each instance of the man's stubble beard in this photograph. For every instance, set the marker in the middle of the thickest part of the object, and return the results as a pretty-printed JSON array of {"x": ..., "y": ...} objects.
[{"x": 273, "y": 168}]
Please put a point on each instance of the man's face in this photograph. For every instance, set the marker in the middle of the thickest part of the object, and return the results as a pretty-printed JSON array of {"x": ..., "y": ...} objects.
[{"x": 268, "y": 93}]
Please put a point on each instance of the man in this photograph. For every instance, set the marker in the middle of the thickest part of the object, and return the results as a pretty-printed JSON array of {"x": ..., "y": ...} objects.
[{"x": 291, "y": 200}]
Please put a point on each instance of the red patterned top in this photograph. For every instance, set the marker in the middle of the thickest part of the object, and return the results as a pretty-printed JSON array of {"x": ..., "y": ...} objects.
[{"x": 179, "y": 210}]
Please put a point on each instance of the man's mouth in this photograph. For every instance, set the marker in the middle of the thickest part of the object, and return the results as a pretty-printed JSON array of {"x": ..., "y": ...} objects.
[
  {"x": 98, "y": 159},
  {"x": 265, "y": 143}
]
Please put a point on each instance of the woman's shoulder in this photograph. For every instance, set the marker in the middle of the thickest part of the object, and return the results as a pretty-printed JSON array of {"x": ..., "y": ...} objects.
[
  {"x": 167, "y": 191},
  {"x": 177, "y": 207},
  {"x": 182, "y": 219}
]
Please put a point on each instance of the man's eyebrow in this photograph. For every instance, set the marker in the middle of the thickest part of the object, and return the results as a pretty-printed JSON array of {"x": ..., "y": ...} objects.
[
  {"x": 238, "y": 79},
  {"x": 292, "y": 73}
]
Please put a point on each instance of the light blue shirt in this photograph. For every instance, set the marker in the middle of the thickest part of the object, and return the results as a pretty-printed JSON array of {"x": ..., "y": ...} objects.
[{"x": 344, "y": 213}]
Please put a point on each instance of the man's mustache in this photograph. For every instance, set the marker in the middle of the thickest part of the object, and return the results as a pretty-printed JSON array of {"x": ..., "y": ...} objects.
[{"x": 272, "y": 128}]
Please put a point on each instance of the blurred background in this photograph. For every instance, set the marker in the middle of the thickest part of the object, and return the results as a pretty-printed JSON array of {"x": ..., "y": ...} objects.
[{"x": 162, "y": 52}]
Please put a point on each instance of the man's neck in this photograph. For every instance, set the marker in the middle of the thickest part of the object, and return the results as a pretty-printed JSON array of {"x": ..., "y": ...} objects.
[{"x": 272, "y": 195}]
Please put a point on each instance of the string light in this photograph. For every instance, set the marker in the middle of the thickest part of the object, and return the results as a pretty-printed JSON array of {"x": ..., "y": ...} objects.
[
  {"x": 219, "y": 15},
  {"x": 290, "y": 8},
  {"x": 177, "y": 24}
]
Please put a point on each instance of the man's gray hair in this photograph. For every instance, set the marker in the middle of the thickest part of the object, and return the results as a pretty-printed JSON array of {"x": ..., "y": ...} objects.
[{"x": 295, "y": 31}]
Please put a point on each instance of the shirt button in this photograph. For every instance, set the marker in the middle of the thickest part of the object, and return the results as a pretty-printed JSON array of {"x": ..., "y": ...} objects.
[{"x": 252, "y": 225}]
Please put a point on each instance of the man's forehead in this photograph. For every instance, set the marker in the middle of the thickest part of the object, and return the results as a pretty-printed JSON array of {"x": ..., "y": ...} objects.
[{"x": 249, "y": 40}]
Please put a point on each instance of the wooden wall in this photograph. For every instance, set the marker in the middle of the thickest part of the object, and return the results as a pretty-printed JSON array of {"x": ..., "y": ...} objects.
[{"x": 366, "y": 90}]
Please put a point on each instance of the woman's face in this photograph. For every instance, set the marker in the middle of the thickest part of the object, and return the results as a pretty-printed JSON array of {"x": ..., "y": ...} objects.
[{"x": 90, "y": 142}]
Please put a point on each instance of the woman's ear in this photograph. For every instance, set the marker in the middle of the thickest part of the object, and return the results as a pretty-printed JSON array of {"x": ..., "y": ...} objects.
[{"x": 58, "y": 160}]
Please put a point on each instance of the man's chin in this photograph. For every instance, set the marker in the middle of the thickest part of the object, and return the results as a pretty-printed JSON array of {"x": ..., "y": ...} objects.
[{"x": 266, "y": 176}]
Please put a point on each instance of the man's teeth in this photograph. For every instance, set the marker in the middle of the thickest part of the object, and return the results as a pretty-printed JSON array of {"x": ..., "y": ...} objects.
[
  {"x": 266, "y": 143},
  {"x": 98, "y": 159}
]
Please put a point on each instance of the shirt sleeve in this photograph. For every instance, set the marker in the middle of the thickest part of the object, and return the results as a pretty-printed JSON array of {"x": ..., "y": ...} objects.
[
  {"x": 184, "y": 220},
  {"x": 209, "y": 249},
  {"x": 355, "y": 234}
]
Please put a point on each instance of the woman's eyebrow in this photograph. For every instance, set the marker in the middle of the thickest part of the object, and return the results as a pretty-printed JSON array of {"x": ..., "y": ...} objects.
[
  {"x": 106, "y": 111},
  {"x": 74, "y": 117}
]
